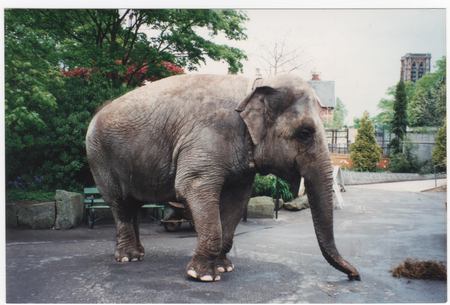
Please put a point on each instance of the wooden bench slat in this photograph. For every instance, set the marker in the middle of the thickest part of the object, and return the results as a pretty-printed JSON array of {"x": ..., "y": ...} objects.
[
  {"x": 93, "y": 198},
  {"x": 94, "y": 201},
  {"x": 151, "y": 205},
  {"x": 91, "y": 191}
]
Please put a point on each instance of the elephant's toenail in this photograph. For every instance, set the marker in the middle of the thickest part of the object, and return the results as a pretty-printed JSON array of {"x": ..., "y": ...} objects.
[
  {"x": 134, "y": 259},
  {"x": 217, "y": 278},
  {"x": 206, "y": 278},
  {"x": 230, "y": 268},
  {"x": 125, "y": 259},
  {"x": 220, "y": 269},
  {"x": 192, "y": 273}
]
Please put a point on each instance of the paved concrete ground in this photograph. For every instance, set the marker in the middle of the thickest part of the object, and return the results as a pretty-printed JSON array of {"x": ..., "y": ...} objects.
[{"x": 277, "y": 261}]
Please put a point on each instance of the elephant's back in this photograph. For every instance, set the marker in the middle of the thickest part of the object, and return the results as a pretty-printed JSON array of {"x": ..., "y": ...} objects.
[
  {"x": 189, "y": 89},
  {"x": 167, "y": 104}
]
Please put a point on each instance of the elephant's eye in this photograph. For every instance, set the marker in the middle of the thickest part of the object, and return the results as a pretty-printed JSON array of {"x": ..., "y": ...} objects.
[{"x": 304, "y": 133}]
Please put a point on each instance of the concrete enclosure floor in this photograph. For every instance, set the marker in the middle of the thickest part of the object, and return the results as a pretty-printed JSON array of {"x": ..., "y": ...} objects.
[{"x": 277, "y": 261}]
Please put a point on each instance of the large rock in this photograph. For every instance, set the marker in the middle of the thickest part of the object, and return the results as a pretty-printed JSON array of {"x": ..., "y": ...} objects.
[
  {"x": 260, "y": 207},
  {"x": 36, "y": 215},
  {"x": 11, "y": 215},
  {"x": 69, "y": 209},
  {"x": 297, "y": 204},
  {"x": 280, "y": 203}
]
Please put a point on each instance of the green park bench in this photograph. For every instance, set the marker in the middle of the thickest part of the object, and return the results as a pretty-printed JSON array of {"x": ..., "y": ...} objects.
[{"x": 93, "y": 201}]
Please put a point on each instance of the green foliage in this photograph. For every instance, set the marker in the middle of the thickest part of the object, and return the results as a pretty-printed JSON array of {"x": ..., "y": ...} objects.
[
  {"x": 61, "y": 65},
  {"x": 399, "y": 120},
  {"x": 439, "y": 154},
  {"x": 266, "y": 186},
  {"x": 384, "y": 118},
  {"x": 427, "y": 105},
  {"x": 15, "y": 195},
  {"x": 365, "y": 152},
  {"x": 404, "y": 161},
  {"x": 339, "y": 114}
]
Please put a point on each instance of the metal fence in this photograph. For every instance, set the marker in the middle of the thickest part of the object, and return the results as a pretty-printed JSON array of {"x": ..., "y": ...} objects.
[
  {"x": 420, "y": 141},
  {"x": 383, "y": 139},
  {"x": 338, "y": 140}
]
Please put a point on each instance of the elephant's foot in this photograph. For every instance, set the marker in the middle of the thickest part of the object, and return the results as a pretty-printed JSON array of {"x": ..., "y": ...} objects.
[
  {"x": 223, "y": 264},
  {"x": 203, "y": 269},
  {"x": 129, "y": 253}
]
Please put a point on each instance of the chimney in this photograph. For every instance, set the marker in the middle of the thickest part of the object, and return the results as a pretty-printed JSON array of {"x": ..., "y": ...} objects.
[{"x": 315, "y": 75}]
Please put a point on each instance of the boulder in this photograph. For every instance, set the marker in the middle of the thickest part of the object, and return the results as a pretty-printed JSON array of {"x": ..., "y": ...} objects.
[
  {"x": 11, "y": 215},
  {"x": 36, "y": 215},
  {"x": 69, "y": 209},
  {"x": 297, "y": 204},
  {"x": 260, "y": 207},
  {"x": 280, "y": 203}
]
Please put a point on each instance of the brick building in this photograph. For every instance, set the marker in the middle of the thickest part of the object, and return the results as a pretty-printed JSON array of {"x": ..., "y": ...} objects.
[
  {"x": 326, "y": 94},
  {"x": 414, "y": 66}
]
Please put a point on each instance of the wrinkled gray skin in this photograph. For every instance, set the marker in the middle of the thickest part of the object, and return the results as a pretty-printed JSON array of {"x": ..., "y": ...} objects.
[{"x": 200, "y": 139}]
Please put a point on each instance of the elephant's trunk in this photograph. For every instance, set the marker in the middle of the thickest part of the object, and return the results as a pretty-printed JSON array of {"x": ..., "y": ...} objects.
[{"x": 318, "y": 184}]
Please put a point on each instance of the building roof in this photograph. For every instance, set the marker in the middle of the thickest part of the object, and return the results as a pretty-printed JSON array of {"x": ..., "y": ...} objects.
[
  {"x": 417, "y": 55},
  {"x": 325, "y": 92}
]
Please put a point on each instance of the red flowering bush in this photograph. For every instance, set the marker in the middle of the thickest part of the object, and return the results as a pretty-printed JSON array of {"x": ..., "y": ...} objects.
[
  {"x": 133, "y": 74},
  {"x": 172, "y": 68},
  {"x": 78, "y": 72}
]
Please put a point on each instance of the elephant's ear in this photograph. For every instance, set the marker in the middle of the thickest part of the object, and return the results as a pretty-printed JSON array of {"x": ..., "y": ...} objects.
[
  {"x": 260, "y": 108},
  {"x": 253, "y": 111}
]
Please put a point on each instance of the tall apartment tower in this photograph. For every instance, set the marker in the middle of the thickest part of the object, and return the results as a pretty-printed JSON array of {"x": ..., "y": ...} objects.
[{"x": 414, "y": 66}]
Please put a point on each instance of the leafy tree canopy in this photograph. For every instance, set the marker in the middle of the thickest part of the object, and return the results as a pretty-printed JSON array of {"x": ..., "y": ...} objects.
[
  {"x": 427, "y": 105},
  {"x": 60, "y": 65},
  {"x": 339, "y": 114},
  {"x": 384, "y": 118}
]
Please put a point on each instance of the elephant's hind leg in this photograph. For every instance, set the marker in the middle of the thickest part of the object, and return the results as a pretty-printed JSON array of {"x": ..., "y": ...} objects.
[{"x": 128, "y": 245}]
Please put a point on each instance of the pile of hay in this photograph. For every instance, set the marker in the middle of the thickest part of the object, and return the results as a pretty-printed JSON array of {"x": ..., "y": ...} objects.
[{"x": 425, "y": 270}]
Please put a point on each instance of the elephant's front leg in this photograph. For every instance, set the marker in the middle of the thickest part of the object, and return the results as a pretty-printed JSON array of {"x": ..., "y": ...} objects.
[
  {"x": 203, "y": 199},
  {"x": 128, "y": 245},
  {"x": 234, "y": 198}
]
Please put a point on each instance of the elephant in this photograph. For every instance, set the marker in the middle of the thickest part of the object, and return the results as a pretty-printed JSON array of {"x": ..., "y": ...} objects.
[{"x": 200, "y": 140}]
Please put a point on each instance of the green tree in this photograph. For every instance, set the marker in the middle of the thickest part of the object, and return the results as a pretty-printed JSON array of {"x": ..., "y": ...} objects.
[
  {"x": 339, "y": 114},
  {"x": 439, "y": 155},
  {"x": 365, "y": 153},
  {"x": 385, "y": 117},
  {"x": 427, "y": 105},
  {"x": 31, "y": 79},
  {"x": 399, "y": 120},
  {"x": 61, "y": 65}
]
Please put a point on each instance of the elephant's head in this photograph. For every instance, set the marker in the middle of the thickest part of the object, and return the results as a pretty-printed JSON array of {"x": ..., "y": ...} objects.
[{"x": 282, "y": 117}]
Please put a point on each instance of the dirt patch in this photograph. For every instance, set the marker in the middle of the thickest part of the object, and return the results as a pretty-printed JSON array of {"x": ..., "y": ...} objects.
[
  {"x": 442, "y": 188},
  {"x": 424, "y": 270}
]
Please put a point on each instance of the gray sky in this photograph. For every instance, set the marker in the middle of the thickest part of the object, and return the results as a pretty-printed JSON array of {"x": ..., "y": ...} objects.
[{"x": 360, "y": 49}]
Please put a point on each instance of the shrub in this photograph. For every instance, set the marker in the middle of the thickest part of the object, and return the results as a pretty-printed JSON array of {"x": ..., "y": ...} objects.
[
  {"x": 439, "y": 155},
  {"x": 15, "y": 195},
  {"x": 266, "y": 186},
  {"x": 365, "y": 152},
  {"x": 400, "y": 163},
  {"x": 404, "y": 162},
  {"x": 426, "y": 167}
]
